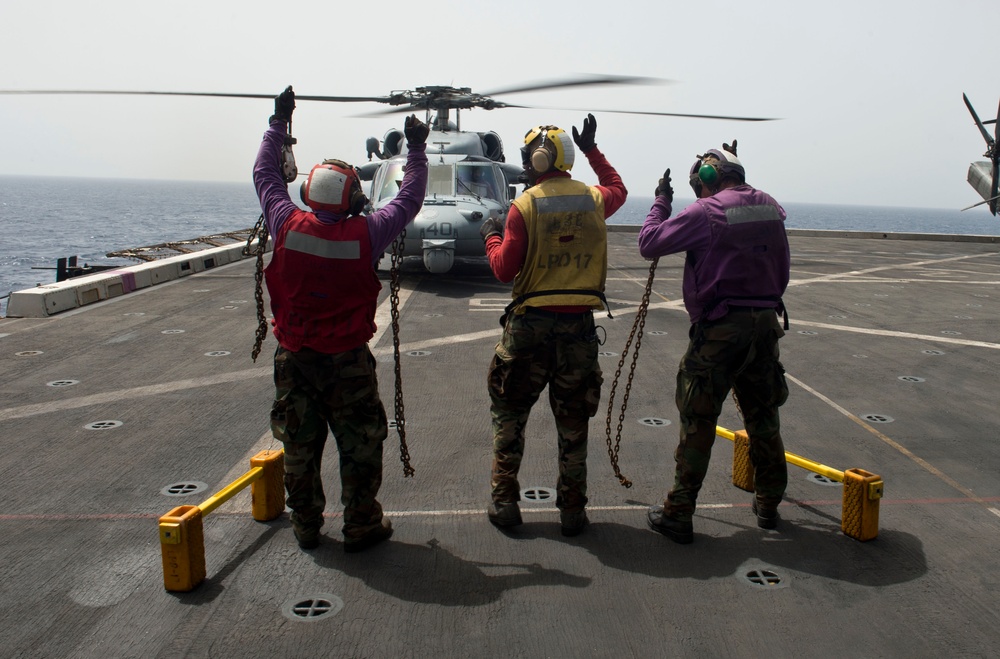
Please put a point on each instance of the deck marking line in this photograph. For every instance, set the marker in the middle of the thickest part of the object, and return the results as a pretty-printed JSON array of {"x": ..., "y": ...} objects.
[
  {"x": 383, "y": 315},
  {"x": 890, "y": 442},
  {"x": 168, "y": 387},
  {"x": 440, "y": 341},
  {"x": 466, "y": 512},
  {"x": 899, "y": 335},
  {"x": 895, "y": 266},
  {"x": 134, "y": 392},
  {"x": 641, "y": 284}
]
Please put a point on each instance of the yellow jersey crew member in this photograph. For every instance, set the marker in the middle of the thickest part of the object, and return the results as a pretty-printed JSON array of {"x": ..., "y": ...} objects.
[{"x": 553, "y": 246}]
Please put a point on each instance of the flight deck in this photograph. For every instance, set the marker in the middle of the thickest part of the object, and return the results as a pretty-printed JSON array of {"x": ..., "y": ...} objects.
[{"x": 118, "y": 411}]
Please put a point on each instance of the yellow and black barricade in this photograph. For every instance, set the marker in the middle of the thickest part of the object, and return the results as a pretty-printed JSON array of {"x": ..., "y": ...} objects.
[
  {"x": 862, "y": 490},
  {"x": 182, "y": 540}
]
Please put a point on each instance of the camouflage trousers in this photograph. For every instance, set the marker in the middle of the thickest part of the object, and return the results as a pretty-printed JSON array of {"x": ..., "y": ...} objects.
[
  {"x": 540, "y": 348},
  {"x": 737, "y": 352},
  {"x": 313, "y": 391}
]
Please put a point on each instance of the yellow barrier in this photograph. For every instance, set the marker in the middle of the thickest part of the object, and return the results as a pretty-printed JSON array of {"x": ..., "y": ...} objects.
[
  {"x": 861, "y": 493},
  {"x": 182, "y": 540}
]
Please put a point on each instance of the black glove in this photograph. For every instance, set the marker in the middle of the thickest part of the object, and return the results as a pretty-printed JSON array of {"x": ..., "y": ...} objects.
[
  {"x": 493, "y": 226},
  {"x": 730, "y": 149},
  {"x": 663, "y": 188},
  {"x": 415, "y": 130},
  {"x": 284, "y": 105},
  {"x": 585, "y": 140}
]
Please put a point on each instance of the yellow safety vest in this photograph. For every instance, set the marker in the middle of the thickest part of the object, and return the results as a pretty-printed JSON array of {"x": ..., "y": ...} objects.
[{"x": 567, "y": 259}]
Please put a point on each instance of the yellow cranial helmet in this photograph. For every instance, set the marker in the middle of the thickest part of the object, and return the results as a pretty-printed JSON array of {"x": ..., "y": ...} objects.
[{"x": 548, "y": 147}]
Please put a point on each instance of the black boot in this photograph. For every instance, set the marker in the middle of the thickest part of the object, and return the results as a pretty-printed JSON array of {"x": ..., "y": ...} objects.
[{"x": 680, "y": 532}]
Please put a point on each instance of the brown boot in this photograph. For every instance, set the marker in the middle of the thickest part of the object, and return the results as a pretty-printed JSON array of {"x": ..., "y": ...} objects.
[{"x": 381, "y": 532}]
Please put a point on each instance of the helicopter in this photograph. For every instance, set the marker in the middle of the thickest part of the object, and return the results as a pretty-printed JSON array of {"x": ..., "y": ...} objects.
[
  {"x": 984, "y": 175},
  {"x": 469, "y": 178}
]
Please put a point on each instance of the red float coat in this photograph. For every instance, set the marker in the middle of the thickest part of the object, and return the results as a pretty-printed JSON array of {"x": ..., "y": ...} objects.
[{"x": 322, "y": 285}]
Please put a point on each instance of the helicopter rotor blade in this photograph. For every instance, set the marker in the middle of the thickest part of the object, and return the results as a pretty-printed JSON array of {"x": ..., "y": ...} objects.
[
  {"x": 996, "y": 126},
  {"x": 28, "y": 92},
  {"x": 994, "y": 153},
  {"x": 386, "y": 112},
  {"x": 410, "y": 102},
  {"x": 382, "y": 113},
  {"x": 301, "y": 97},
  {"x": 581, "y": 81},
  {"x": 980, "y": 203},
  {"x": 650, "y": 113},
  {"x": 990, "y": 140}
]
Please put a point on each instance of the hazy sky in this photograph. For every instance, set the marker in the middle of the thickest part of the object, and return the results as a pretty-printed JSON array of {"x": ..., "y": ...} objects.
[{"x": 869, "y": 92}]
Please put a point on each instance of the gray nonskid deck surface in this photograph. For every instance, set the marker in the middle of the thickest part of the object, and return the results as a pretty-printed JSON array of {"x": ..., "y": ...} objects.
[{"x": 901, "y": 330}]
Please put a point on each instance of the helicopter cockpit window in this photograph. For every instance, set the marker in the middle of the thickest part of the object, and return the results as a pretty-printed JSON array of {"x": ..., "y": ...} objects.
[
  {"x": 478, "y": 179},
  {"x": 393, "y": 179},
  {"x": 439, "y": 180}
]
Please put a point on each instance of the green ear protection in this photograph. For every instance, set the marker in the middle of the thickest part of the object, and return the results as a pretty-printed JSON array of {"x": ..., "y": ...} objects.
[{"x": 708, "y": 174}]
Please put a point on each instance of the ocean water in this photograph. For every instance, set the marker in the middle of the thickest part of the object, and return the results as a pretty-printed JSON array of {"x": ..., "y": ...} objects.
[{"x": 43, "y": 219}]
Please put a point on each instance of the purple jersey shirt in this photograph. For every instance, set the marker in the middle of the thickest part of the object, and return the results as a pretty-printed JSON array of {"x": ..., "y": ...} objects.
[
  {"x": 720, "y": 266},
  {"x": 383, "y": 225}
]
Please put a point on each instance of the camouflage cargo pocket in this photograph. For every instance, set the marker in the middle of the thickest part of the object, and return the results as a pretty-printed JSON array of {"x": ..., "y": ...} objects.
[
  {"x": 287, "y": 413},
  {"x": 509, "y": 378},
  {"x": 780, "y": 390},
  {"x": 694, "y": 396}
]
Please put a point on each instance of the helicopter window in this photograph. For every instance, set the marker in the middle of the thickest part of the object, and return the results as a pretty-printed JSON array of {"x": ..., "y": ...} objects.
[
  {"x": 392, "y": 180},
  {"x": 439, "y": 180},
  {"x": 478, "y": 179}
]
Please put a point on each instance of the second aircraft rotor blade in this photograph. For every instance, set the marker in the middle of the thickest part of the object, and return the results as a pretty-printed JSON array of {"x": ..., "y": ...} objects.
[
  {"x": 996, "y": 129},
  {"x": 986, "y": 135}
]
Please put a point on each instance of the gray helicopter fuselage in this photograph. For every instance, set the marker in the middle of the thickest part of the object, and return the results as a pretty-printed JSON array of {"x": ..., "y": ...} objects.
[
  {"x": 980, "y": 177},
  {"x": 467, "y": 183}
]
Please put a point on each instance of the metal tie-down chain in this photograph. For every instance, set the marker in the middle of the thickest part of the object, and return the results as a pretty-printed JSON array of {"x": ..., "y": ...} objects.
[
  {"x": 260, "y": 232},
  {"x": 397, "y": 257},
  {"x": 636, "y": 334}
]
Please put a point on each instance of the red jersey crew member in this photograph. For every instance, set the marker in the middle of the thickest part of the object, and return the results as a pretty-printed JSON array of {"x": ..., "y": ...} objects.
[
  {"x": 323, "y": 289},
  {"x": 554, "y": 247},
  {"x": 735, "y": 272}
]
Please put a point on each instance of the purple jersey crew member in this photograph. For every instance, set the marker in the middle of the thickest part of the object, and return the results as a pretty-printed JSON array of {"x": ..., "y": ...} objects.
[{"x": 736, "y": 270}]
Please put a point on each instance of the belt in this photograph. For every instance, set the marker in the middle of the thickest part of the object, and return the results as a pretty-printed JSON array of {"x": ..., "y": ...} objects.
[{"x": 558, "y": 314}]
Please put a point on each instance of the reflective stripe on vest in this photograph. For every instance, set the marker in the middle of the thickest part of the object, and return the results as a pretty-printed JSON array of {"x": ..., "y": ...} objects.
[
  {"x": 327, "y": 249},
  {"x": 744, "y": 214}
]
